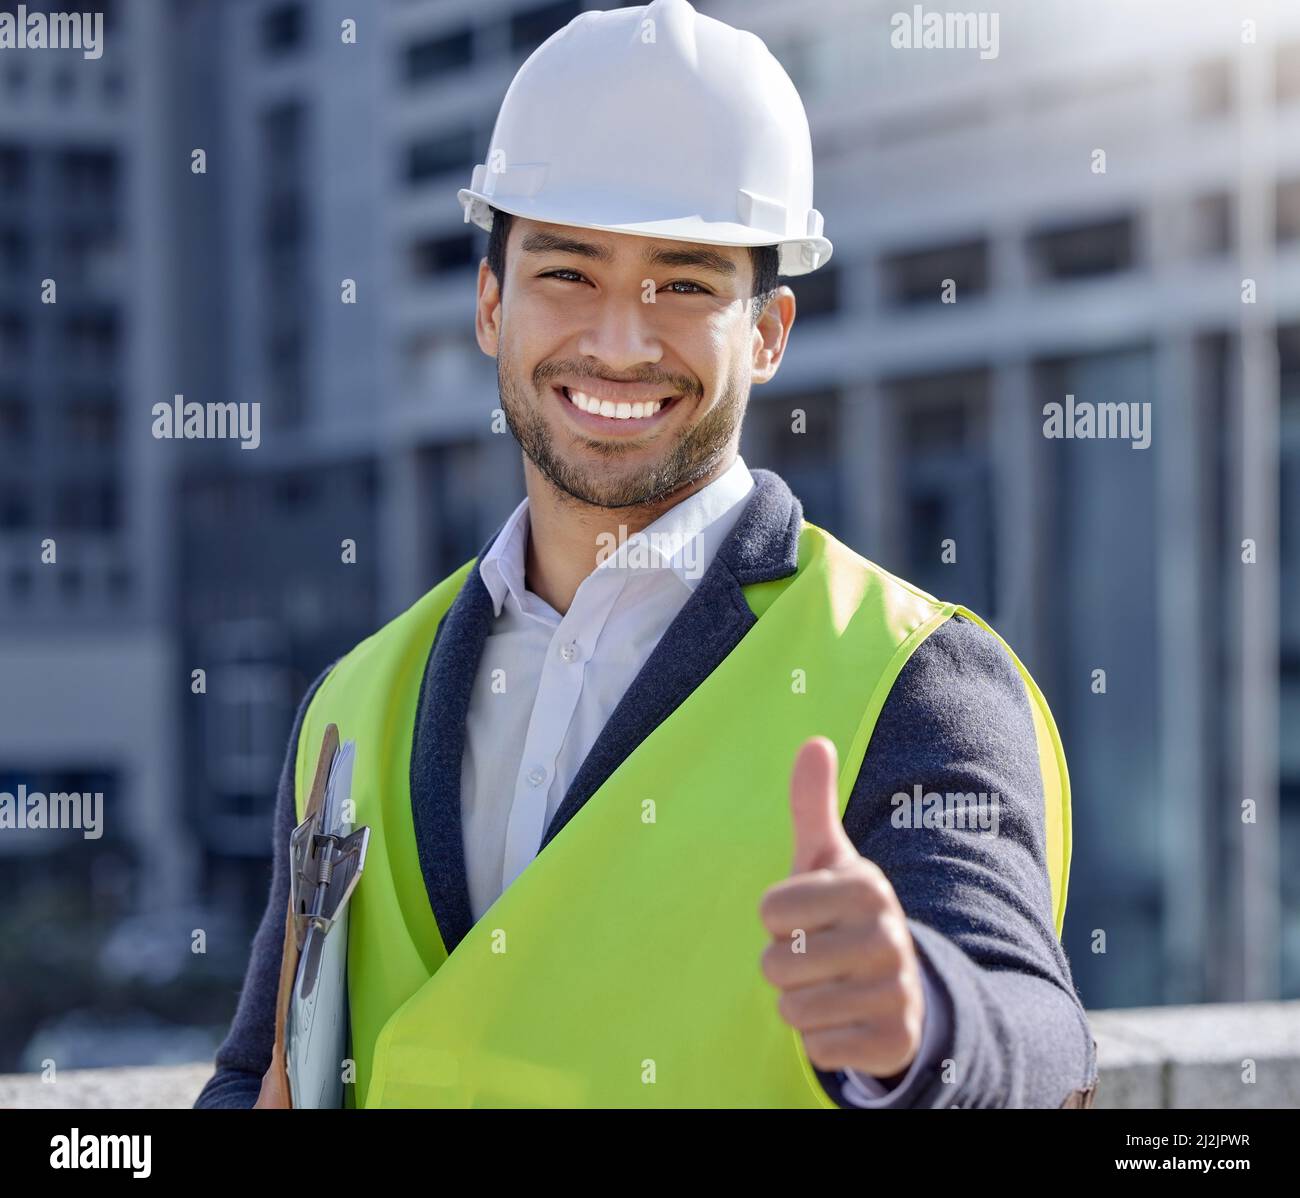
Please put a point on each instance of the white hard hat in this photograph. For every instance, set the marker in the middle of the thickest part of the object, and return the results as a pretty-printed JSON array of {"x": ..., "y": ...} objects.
[{"x": 659, "y": 121}]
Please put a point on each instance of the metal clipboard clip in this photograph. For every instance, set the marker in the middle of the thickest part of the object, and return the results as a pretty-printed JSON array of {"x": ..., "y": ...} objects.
[{"x": 326, "y": 867}]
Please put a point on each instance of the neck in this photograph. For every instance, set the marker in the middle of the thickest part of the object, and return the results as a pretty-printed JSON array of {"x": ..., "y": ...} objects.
[{"x": 565, "y": 534}]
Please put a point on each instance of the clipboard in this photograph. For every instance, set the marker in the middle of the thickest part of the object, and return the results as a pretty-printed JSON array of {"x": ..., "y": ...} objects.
[{"x": 326, "y": 860}]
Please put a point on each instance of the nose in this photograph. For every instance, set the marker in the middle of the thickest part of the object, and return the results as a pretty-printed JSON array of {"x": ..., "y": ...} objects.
[{"x": 619, "y": 332}]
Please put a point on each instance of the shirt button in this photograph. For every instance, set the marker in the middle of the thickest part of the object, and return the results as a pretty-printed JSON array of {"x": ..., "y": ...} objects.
[
  {"x": 569, "y": 651},
  {"x": 536, "y": 775}
]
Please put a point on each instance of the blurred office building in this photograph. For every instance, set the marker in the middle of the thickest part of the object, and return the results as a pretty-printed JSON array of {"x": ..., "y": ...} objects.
[
  {"x": 1074, "y": 216},
  {"x": 1096, "y": 196},
  {"x": 90, "y": 682}
]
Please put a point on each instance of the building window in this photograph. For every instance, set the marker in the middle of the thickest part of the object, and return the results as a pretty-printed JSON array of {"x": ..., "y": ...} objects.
[
  {"x": 13, "y": 336},
  {"x": 946, "y": 483},
  {"x": 1096, "y": 586},
  {"x": 286, "y": 374},
  {"x": 431, "y": 256},
  {"x": 1080, "y": 251},
  {"x": 87, "y": 506},
  {"x": 282, "y": 29},
  {"x": 438, "y": 56},
  {"x": 282, "y": 133},
  {"x": 114, "y": 86},
  {"x": 817, "y": 293},
  {"x": 529, "y": 29},
  {"x": 1289, "y": 638},
  {"x": 801, "y": 448},
  {"x": 1211, "y": 87},
  {"x": 13, "y": 169},
  {"x": 15, "y": 513},
  {"x": 15, "y": 419},
  {"x": 919, "y": 276},
  {"x": 91, "y": 419},
  {"x": 366, "y": 478},
  {"x": 15, "y": 78},
  {"x": 1211, "y": 231},
  {"x": 1287, "y": 79},
  {"x": 13, "y": 251},
  {"x": 65, "y": 84},
  {"x": 282, "y": 219},
  {"x": 100, "y": 780},
  {"x": 1288, "y": 210},
  {"x": 248, "y": 712},
  {"x": 88, "y": 175},
  {"x": 295, "y": 490},
  {"x": 434, "y": 156},
  {"x": 91, "y": 339}
]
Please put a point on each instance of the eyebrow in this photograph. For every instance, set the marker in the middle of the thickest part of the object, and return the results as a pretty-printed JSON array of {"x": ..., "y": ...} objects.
[
  {"x": 702, "y": 258},
  {"x": 557, "y": 243}
]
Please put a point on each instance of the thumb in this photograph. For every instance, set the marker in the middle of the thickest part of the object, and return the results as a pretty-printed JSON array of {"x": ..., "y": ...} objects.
[{"x": 819, "y": 838}]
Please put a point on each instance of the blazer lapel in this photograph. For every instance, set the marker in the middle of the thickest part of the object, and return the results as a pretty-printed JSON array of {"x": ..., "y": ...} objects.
[{"x": 438, "y": 748}]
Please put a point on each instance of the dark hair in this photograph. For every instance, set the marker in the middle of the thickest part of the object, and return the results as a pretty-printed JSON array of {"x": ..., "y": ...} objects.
[{"x": 765, "y": 259}]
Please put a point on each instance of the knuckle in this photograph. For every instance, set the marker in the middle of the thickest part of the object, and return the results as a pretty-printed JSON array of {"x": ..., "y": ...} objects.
[
  {"x": 862, "y": 888},
  {"x": 896, "y": 1041},
  {"x": 874, "y": 875},
  {"x": 776, "y": 962},
  {"x": 862, "y": 942},
  {"x": 863, "y": 997},
  {"x": 768, "y": 910},
  {"x": 896, "y": 942},
  {"x": 791, "y": 1007},
  {"x": 820, "y": 1052}
]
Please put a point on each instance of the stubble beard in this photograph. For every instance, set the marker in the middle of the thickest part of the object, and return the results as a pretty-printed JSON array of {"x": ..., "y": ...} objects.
[{"x": 692, "y": 456}]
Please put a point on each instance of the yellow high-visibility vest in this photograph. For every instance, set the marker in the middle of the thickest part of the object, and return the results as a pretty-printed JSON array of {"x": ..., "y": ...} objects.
[{"x": 621, "y": 968}]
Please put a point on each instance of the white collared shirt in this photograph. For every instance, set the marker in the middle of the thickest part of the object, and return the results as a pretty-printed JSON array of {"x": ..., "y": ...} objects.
[{"x": 547, "y": 683}]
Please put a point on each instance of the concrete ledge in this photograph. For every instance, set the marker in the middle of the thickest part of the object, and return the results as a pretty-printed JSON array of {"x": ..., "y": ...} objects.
[
  {"x": 1199, "y": 1057},
  {"x": 154, "y": 1086},
  {"x": 1196, "y": 1057}
]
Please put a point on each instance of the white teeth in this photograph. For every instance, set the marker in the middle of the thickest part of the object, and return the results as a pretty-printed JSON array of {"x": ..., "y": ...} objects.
[{"x": 607, "y": 407}]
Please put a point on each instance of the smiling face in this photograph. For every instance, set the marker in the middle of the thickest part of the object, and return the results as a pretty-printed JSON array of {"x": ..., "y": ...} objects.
[{"x": 624, "y": 362}]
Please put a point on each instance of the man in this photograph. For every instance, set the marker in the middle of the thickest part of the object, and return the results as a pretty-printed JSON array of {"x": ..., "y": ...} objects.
[{"x": 633, "y": 773}]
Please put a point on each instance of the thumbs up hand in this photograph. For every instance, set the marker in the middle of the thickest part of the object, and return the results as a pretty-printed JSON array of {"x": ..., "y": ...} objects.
[{"x": 841, "y": 953}]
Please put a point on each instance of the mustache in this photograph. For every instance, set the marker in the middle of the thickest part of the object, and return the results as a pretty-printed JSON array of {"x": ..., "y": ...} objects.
[{"x": 551, "y": 370}]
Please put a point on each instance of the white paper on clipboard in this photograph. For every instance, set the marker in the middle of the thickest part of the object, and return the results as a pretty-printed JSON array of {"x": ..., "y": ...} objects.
[{"x": 316, "y": 1038}]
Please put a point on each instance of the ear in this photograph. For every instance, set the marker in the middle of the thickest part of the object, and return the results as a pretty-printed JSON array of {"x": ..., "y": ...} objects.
[
  {"x": 487, "y": 313},
  {"x": 771, "y": 334}
]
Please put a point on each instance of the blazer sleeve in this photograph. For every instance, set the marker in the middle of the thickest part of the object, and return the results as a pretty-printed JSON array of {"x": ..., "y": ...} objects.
[
  {"x": 244, "y": 1055},
  {"x": 979, "y": 907}
]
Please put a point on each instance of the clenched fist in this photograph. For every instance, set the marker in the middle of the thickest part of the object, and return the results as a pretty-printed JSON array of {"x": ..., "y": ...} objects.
[{"x": 841, "y": 953}]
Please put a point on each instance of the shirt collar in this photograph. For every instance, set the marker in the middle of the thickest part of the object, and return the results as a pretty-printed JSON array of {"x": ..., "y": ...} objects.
[{"x": 684, "y": 539}]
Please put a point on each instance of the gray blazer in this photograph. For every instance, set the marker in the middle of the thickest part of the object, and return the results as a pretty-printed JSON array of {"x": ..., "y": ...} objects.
[{"x": 957, "y": 719}]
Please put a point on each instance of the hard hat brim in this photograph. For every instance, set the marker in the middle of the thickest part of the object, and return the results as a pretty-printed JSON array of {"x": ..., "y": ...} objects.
[{"x": 798, "y": 255}]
